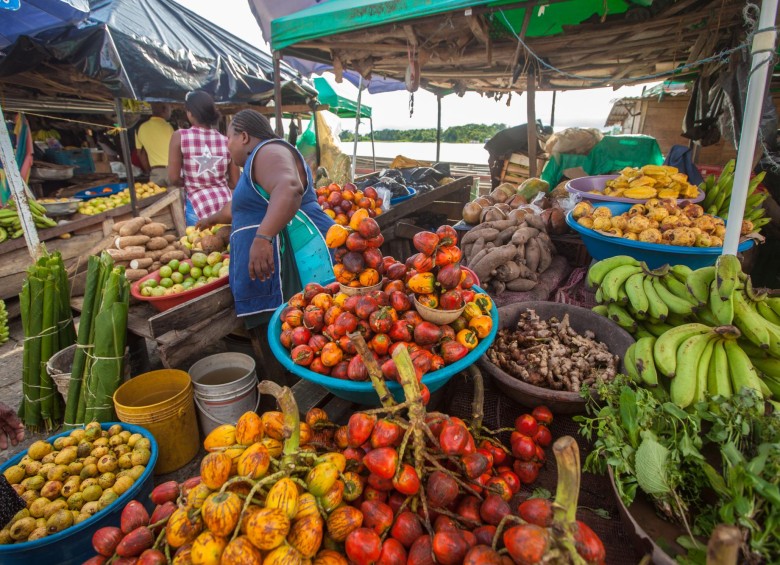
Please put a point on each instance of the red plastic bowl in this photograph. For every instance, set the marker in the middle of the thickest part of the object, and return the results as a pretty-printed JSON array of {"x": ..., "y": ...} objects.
[{"x": 163, "y": 303}]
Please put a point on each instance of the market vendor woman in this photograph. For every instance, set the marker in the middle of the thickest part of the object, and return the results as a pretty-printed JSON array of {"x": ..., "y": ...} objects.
[{"x": 277, "y": 243}]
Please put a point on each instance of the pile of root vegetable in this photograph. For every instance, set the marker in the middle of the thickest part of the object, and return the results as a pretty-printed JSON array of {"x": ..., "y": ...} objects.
[
  {"x": 509, "y": 254},
  {"x": 550, "y": 354},
  {"x": 395, "y": 485}
]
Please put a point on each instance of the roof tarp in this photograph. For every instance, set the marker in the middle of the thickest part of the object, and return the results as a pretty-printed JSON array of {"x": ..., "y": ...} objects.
[
  {"x": 342, "y": 107},
  {"x": 331, "y": 18},
  {"x": 31, "y": 17},
  {"x": 157, "y": 50}
]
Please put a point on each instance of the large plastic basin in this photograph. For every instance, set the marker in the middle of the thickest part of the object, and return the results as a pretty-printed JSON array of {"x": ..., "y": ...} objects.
[{"x": 74, "y": 545}]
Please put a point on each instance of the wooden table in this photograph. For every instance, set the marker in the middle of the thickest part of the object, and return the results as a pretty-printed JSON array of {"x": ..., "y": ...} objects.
[{"x": 397, "y": 227}]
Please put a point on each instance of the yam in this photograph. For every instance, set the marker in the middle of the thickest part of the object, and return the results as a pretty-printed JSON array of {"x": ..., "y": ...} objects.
[
  {"x": 521, "y": 285},
  {"x": 523, "y": 234},
  {"x": 123, "y": 242},
  {"x": 127, "y": 254},
  {"x": 504, "y": 236},
  {"x": 509, "y": 271},
  {"x": 135, "y": 274},
  {"x": 154, "y": 229},
  {"x": 171, "y": 255},
  {"x": 170, "y": 238},
  {"x": 142, "y": 263},
  {"x": 118, "y": 226},
  {"x": 476, "y": 247},
  {"x": 155, "y": 255},
  {"x": 477, "y": 257},
  {"x": 545, "y": 257},
  {"x": 497, "y": 287},
  {"x": 499, "y": 225},
  {"x": 517, "y": 215},
  {"x": 535, "y": 221},
  {"x": 488, "y": 234},
  {"x": 491, "y": 214},
  {"x": 157, "y": 243},
  {"x": 494, "y": 258},
  {"x": 154, "y": 267},
  {"x": 132, "y": 227},
  {"x": 516, "y": 201},
  {"x": 471, "y": 212},
  {"x": 533, "y": 254}
]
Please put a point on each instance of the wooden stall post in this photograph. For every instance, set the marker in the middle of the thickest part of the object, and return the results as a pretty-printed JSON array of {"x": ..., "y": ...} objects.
[
  {"x": 16, "y": 183},
  {"x": 120, "y": 116},
  {"x": 278, "y": 92},
  {"x": 438, "y": 127},
  {"x": 357, "y": 126},
  {"x": 531, "y": 110},
  {"x": 552, "y": 110},
  {"x": 373, "y": 151}
]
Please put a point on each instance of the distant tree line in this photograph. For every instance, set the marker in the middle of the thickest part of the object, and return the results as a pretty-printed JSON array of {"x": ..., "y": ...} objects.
[{"x": 468, "y": 133}]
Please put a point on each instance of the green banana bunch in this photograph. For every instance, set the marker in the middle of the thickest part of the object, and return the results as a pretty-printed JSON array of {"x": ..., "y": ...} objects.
[
  {"x": 3, "y": 323},
  {"x": 717, "y": 197},
  {"x": 10, "y": 222}
]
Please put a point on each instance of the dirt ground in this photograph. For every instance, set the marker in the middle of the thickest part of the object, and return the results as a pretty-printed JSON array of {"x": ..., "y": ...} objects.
[{"x": 11, "y": 394}]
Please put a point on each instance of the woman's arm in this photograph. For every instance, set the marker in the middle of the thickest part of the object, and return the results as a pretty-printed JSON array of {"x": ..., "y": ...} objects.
[
  {"x": 223, "y": 216},
  {"x": 233, "y": 173},
  {"x": 276, "y": 170},
  {"x": 175, "y": 160}
]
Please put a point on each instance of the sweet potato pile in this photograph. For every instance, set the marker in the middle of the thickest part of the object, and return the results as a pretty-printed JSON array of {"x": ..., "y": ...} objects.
[{"x": 508, "y": 254}]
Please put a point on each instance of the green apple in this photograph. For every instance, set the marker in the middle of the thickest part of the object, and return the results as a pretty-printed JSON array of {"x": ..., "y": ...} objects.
[
  {"x": 207, "y": 271},
  {"x": 184, "y": 268},
  {"x": 196, "y": 273},
  {"x": 177, "y": 277},
  {"x": 214, "y": 257},
  {"x": 173, "y": 264},
  {"x": 166, "y": 282},
  {"x": 165, "y": 272}
]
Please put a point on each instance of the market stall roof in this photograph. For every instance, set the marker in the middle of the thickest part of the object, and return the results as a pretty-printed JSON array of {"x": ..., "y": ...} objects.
[
  {"x": 147, "y": 50},
  {"x": 339, "y": 105},
  {"x": 31, "y": 17},
  {"x": 486, "y": 45}
]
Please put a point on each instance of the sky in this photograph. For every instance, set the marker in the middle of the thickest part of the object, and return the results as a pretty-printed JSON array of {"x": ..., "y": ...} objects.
[{"x": 576, "y": 108}]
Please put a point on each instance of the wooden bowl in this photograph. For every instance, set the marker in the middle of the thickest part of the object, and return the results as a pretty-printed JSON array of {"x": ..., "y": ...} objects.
[
  {"x": 359, "y": 290},
  {"x": 616, "y": 339},
  {"x": 438, "y": 317}
]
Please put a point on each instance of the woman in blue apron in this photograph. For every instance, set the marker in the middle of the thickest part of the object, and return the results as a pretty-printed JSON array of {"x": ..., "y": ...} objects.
[{"x": 277, "y": 242}]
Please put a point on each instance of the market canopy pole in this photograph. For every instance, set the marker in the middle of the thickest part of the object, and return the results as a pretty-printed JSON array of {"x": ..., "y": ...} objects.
[
  {"x": 762, "y": 53},
  {"x": 373, "y": 151},
  {"x": 120, "y": 116},
  {"x": 16, "y": 183},
  {"x": 438, "y": 127},
  {"x": 357, "y": 125},
  {"x": 531, "y": 117},
  {"x": 552, "y": 110},
  {"x": 278, "y": 92}
]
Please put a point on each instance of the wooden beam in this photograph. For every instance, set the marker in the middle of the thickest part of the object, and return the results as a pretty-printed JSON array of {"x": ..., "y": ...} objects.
[
  {"x": 478, "y": 27},
  {"x": 531, "y": 107},
  {"x": 192, "y": 312},
  {"x": 420, "y": 201},
  {"x": 291, "y": 109}
]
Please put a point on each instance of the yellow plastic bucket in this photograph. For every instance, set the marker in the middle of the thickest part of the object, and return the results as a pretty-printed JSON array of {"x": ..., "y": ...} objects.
[{"x": 162, "y": 402}]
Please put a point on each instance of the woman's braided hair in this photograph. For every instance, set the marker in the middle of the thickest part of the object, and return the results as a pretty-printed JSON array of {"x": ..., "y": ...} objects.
[{"x": 254, "y": 124}]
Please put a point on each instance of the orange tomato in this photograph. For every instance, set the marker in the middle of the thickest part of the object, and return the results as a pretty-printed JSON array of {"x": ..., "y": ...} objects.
[
  {"x": 467, "y": 338},
  {"x": 369, "y": 277},
  {"x": 340, "y": 219},
  {"x": 481, "y": 325},
  {"x": 331, "y": 354},
  {"x": 429, "y": 300},
  {"x": 330, "y": 213}
]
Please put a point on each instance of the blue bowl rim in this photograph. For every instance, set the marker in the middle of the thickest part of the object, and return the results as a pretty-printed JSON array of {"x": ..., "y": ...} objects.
[
  {"x": 601, "y": 197},
  {"x": 399, "y": 199},
  {"x": 655, "y": 247},
  {"x": 115, "y": 188},
  {"x": 125, "y": 497},
  {"x": 281, "y": 353}
]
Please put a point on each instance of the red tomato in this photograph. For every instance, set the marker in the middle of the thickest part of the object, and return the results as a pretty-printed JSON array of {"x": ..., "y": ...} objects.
[
  {"x": 543, "y": 436},
  {"x": 526, "y": 425},
  {"x": 542, "y": 415}
]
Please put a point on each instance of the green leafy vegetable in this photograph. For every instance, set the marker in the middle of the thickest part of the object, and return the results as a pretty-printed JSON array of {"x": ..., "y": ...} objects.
[{"x": 651, "y": 461}]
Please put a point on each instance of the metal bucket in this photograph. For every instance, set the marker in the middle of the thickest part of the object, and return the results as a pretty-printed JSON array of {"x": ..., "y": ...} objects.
[{"x": 225, "y": 387}]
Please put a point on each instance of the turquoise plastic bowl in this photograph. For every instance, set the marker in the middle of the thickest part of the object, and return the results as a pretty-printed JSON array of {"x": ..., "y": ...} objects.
[
  {"x": 74, "y": 545},
  {"x": 363, "y": 392},
  {"x": 654, "y": 254},
  {"x": 399, "y": 199}
]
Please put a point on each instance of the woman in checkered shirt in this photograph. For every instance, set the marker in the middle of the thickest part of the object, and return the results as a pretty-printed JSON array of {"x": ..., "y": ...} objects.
[{"x": 200, "y": 161}]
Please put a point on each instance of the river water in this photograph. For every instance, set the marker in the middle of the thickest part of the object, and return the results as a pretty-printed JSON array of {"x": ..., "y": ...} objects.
[{"x": 450, "y": 152}]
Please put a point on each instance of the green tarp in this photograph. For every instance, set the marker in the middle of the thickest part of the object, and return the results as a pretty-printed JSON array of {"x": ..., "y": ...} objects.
[
  {"x": 329, "y": 19},
  {"x": 342, "y": 107}
]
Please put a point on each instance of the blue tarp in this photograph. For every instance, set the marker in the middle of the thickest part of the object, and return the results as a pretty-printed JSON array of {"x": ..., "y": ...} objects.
[{"x": 31, "y": 17}]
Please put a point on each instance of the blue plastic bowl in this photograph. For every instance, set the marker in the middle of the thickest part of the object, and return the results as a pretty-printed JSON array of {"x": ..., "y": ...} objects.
[
  {"x": 74, "y": 545},
  {"x": 399, "y": 199},
  {"x": 363, "y": 392},
  {"x": 96, "y": 191},
  {"x": 654, "y": 254}
]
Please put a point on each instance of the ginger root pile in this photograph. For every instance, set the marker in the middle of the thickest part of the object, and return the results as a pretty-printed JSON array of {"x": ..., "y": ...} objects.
[{"x": 550, "y": 354}]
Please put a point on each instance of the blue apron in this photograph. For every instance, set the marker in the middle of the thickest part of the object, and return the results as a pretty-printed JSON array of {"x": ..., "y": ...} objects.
[{"x": 305, "y": 233}]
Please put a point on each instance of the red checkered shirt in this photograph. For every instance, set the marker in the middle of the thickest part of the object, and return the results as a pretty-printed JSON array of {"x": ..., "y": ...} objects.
[{"x": 204, "y": 169}]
